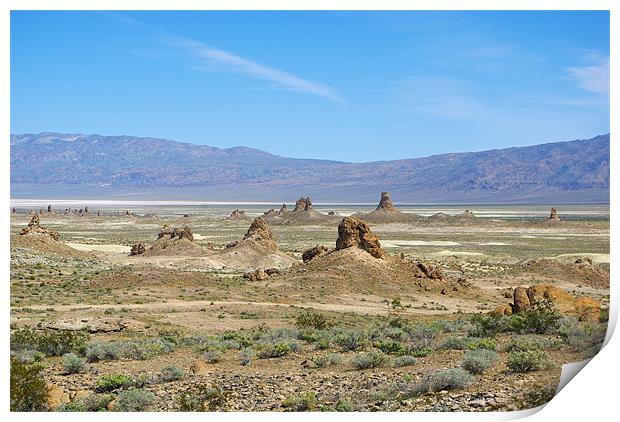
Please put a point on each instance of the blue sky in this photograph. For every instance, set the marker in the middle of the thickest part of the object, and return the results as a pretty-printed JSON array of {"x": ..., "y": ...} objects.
[{"x": 352, "y": 86}]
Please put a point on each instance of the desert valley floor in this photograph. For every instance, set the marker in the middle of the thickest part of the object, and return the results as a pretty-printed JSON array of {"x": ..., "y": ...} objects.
[{"x": 338, "y": 308}]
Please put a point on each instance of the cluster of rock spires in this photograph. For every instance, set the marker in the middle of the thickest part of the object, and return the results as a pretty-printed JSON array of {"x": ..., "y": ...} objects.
[
  {"x": 303, "y": 204},
  {"x": 584, "y": 307},
  {"x": 176, "y": 233},
  {"x": 34, "y": 227}
]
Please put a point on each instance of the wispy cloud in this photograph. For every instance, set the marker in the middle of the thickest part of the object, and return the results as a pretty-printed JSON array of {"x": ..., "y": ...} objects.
[
  {"x": 592, "y": 78},
  {"x": 209, "y": 59}
]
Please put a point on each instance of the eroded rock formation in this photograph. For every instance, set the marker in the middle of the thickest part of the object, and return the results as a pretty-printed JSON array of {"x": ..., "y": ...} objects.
[
  {"x": 176, "y": 233},
  {"x": 353, "y": 232},
  {"x": 303, "y": 204},
  {"x": 35, "y": 228},
  {"x": 554, "y": 214},
  {"x": 385, "y": 203},
  {"x": 260, "y": 233}
]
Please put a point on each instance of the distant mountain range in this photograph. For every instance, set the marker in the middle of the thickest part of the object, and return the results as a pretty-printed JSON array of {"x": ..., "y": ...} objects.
[{"x": 55, "y": 165}]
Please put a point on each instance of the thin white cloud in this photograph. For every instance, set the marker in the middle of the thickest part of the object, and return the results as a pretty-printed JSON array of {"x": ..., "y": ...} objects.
[
  {"x": 593, "y": 78},
  {"x": 211, "y": 59}
]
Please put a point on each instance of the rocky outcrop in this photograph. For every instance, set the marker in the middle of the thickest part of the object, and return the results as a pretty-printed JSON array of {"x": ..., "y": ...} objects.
[
  {"x": 353, "y": 232},
  {"x": 561, "y": 301},
  {"x": 314, "y": 252},
  {"x": 303, "y": 204},
  {"x": 35, "y": 228},
  {"x": 554, "y": 214},
  {"x": 270, "y": 213},
  {"x": 283, "y": 209},
  {"x": 237, "y": 214},
  {"x": 521, "y": 300},
  {"x": 259, "y": 232},
  {"x": 176, "y": 233},
  {"x": 431, "y": 271},
  {"x": 137, "y": 249},
  {"x": 256, "y": 275},
  {"x": 385, "y": 203}
]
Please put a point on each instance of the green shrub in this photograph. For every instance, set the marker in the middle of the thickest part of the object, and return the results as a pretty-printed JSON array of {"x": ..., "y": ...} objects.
[
  {"x": 134, "y": 400},
  {"x": 73, "y": 364},
  {"x": 28, "y": 389},
  {"x": 369, "y": 360},
  {"x": 479, "y": 360},
  {"x": 102, "y": 351},
  {"x": 275, "y": 350},
  {"x": 535, "y": 321},
  {"x": 531, "y": 360},
  {"x": 532, "y": 342},
  {"x": 111, "y": 382},
  {"x": 443, "y": 379},
  {"x": 213, "y": 355},
  {"x": 171, "y": 373},
  {"x": 91, "y": 403},
  {"x": 28, "y": 356},
  {"x": 326, "y": 359},
  {"x": 311, "y": 319},
  {"x": 202, "y": 398},
  {"x": 393, "y": 347},
  {"x": 351, "y": 340},
  {"x": 245, "y": 356},
  {"x": 405, "y": 361},
  {"x": 49, "y": 342},
  {"x": 303, "y": 402}
]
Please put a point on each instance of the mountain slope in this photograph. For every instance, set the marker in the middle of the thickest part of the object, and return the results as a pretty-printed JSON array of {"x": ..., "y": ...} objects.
[{"x": 57, "y": 165}]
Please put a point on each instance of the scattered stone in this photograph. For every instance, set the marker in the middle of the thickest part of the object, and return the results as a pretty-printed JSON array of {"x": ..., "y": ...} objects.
[
  {"x": 137, "y": 249},
  {"x": 314, "y": 252},
  {"x": 431, "y": 271},
  {"x": 256, "y": 275}
]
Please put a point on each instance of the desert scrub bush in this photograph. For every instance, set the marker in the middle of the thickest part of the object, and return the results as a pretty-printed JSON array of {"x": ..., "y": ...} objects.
[
  {"x": 321, "y": 361},
  {"x": 350, "y": 340},
  {"x": 132, "y": 349},
  {"x": 311, "y": 319},
  {"x": 583, "y": 337},
  {"x": 73, "y": 364},
  {"x": 421, "y": 336},
  {"x": 202, "y": 398},
  {"x": 28, "y": 389},
  {"x": 404, "y": 361},
  {"x": 524, "y": 343},
  {"x": 443, "y": 379},
  {"x": 488, "y": 325},
  {"x": 245, "y": 356},
  {"x": 91, "y": 403},
  {"x": 276, "y": 350},
  {"x": 235, "y": 338},
  {"x": 171, "y": 373},
  {"x": 540, "y": 320},
  {"x": 28, "y": 356},
  {"x": 110, "y": 382},
  {"x": 49, "y": 342},
  {"x": 531, "y": 360},
  {"x": 369, "y": 360},
  {"x": 304, "y": 402},
  {"x": 479, "y": 360},
  {"x": 134, "y": 400},
  {"x": 213, "y": 355},
  {"x": 342, "y": 405},
  {"x": 393, "y": 347}
]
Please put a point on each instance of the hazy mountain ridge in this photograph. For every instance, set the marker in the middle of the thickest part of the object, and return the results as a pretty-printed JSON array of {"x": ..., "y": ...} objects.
[{"x": 124, "y": 164}]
